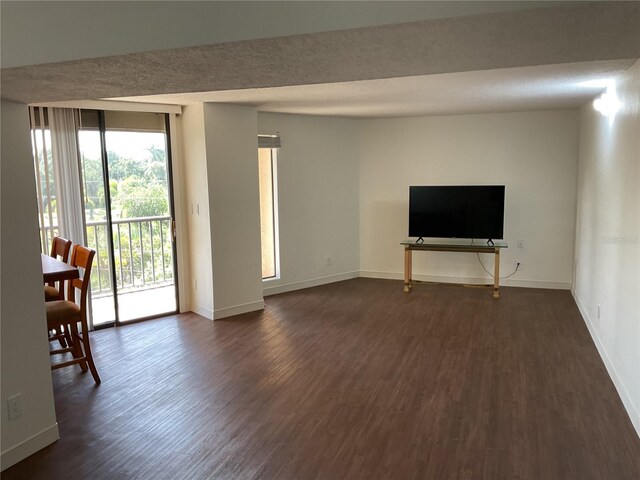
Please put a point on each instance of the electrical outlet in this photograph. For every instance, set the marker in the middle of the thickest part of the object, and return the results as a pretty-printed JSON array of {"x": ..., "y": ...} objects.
[
  {"x": 519, "y": 265},
  {"x": 195, "y": 284},
  {"x": 598, "y": 313},
  {"x": 14, "y": 404},
  {"x": 520, "y": 243},
  {"x": 328, "y": 260}
]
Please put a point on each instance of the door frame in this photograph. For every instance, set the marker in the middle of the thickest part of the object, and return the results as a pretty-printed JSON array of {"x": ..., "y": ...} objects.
[{"x": 109, "y": 228}]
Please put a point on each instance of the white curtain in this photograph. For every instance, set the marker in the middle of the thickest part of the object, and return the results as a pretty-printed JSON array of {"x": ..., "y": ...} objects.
[{"x": 63, "y": 123}]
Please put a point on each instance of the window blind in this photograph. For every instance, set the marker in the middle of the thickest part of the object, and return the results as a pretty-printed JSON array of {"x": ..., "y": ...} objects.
[{"x": 269, "y": 141}]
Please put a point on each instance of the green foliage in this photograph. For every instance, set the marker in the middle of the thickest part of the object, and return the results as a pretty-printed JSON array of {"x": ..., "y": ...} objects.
[
  {"x": 140, "y": 199},
  {"x": 138, "y": 188},
  {"x": 142, "y": 253},
  {"x": 93, "y": 185},
  {"x": 122, "y": 168}
]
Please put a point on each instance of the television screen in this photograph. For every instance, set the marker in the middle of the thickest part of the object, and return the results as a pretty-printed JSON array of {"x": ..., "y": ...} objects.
[{"x": 475, "y": 211}]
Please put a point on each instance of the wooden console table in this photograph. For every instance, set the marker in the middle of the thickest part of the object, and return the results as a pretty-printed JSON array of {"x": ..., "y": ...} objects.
[{"x": 433, "y": 245}]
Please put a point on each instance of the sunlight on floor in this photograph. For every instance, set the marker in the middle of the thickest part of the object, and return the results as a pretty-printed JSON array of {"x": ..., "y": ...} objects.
[{"x": 136, "y": 304}]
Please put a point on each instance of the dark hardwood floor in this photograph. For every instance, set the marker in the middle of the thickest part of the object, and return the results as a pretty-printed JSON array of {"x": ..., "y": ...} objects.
[{"x": 352, "y": 380}]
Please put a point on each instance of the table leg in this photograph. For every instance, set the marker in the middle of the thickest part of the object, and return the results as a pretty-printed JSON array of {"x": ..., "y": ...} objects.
[
  {"x": 407, "y": 270},
  {"x": 496, "y": 275}
]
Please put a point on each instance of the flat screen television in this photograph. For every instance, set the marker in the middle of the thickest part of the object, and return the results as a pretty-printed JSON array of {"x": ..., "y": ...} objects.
[{"x": 469, "y": 211}]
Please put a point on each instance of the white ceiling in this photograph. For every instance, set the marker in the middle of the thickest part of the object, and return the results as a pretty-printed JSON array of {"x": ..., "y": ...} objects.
[{"x": 510, "y": 89}]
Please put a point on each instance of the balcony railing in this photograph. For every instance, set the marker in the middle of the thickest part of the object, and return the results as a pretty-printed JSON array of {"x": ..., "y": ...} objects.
[{"x": 142, "y": 253}]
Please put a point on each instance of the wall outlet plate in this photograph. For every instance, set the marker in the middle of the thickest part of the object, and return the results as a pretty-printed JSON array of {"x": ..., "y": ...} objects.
[{"x": 14, "y": 405}]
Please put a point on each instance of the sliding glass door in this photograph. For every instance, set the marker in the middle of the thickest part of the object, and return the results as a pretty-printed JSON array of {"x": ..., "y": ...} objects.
[{"x": 126, "y": 177}]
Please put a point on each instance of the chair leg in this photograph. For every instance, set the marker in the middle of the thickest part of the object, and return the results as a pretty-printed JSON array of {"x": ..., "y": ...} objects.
[
  {"x": 60, "y": 336},
  {"x": 64, "y": 337},
  {"x": 89, "y": 356},
  {"x": 76, "y": 340},
  {"x": 67, "y": 337}
]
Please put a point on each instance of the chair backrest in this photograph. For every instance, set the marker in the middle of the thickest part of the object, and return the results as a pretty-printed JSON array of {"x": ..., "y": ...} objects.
[
  {"x": 82, "y": 257},
  {"x": 60, "y": 247}
]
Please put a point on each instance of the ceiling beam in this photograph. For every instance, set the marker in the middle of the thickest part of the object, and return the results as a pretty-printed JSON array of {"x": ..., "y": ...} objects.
[{"x": 600, "y": 31}]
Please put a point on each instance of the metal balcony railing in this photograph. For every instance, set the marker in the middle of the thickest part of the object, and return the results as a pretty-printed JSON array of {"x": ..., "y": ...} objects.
[{"x": 142, "y": 253}]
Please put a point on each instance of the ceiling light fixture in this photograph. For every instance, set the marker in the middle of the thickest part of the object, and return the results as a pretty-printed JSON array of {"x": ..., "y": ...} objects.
[{"x": 607, "y": 103}]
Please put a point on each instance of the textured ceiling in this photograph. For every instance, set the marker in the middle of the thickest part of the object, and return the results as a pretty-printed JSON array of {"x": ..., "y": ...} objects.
[
  {"x": 120, "y": 27},
  {"x": 547, "y": 36},
  {"x": 525, "y": 88}
]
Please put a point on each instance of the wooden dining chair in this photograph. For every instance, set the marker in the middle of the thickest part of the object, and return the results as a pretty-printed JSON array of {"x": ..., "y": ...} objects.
[
  {"x": 65, "y": 315},
  {"x": 60, "y": 248}
]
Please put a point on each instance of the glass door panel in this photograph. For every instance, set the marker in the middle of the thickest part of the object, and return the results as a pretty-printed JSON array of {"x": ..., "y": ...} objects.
[
  {"x": 142, "y": 222},
  {"x": 92, "y": 172},
  {"x": 135, "y": 271}
]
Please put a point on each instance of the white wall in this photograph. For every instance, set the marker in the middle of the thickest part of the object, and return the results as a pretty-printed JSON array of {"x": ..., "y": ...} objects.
[
  {"x": 195, "y": 193},
  {"x": 533, "y": 153},
  {"x": 608, "y": 237},
  {"x": 318, "y": 199},
  {"x": 25, "y": 352},
  {"x": 231, "y": 139}
]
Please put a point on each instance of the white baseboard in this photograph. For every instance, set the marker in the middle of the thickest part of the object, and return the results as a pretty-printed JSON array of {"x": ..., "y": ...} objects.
[
  {"x": 238, "y": 309},
  {"x": 631, "y": 409},
  {"x": 468, "y": 280},
  {"x": 536, "y": 284},
  {"x": 290, "y": 287},
  {"x": 205, "y": 312},
  {"x": 29, "y": 446}
]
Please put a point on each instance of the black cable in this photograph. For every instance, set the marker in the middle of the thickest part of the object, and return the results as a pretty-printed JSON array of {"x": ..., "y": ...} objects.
[{"x": 490, "y": 274}]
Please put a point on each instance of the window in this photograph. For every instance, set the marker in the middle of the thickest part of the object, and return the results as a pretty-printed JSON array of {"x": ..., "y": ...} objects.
[
  {"x": 103, "y": 180},
  {"x": 268, "y": 211}
]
